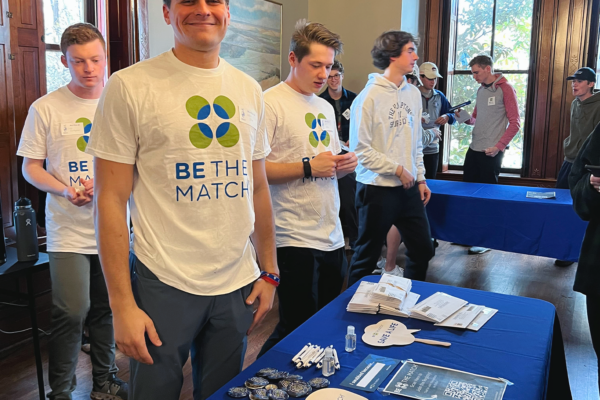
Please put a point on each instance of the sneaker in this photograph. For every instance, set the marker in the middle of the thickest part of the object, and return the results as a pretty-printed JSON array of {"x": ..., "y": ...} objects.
[
  {"x": 397, "y": 271},
  {"x": 381, "y": 264},
  {"x": 112, "y": 389},
  {"x": 85, "y": 344},
  {"x": 478, "y": 250}
]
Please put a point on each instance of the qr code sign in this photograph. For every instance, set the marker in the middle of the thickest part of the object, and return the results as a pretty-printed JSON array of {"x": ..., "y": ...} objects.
[{"x": 465, "y": 391}]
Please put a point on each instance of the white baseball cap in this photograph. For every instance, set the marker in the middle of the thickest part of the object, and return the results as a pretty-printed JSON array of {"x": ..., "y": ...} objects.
[{"x": 430, "y": 70}]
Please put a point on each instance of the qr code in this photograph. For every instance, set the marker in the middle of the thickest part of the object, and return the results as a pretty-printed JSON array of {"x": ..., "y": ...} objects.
[{"x": 465, "y": 391}]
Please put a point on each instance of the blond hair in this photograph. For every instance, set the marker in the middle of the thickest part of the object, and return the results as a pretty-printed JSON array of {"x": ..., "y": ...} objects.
[{"x": 307, "y": 33}]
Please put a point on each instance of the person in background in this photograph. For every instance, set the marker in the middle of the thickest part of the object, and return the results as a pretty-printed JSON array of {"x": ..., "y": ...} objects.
[
  {"x": 496, "y": 121},
  {"x": 585, "y": 115},
  {"x": 57, "y": 130},
  {"x": 585, "y": 190},
  {"x": 303, "y": 168},
  {"x": 341, "y": 99},
  {"x": 385, "y": 132}
]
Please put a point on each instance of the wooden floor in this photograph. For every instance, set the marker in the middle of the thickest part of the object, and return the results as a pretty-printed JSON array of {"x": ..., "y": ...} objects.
[{"x": 494, "y": 271}]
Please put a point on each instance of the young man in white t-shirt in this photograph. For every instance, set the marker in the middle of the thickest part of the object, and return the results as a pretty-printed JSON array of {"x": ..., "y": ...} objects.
[
  {"x": 57, "y": 130},
  {"x": 183, "y": 134},
  {"x": 385, "y": 133},
  {"x": 303, "y": 169}
]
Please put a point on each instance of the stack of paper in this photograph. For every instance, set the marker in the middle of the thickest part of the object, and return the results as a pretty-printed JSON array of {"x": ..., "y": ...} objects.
[
  {"x": 361, "y": 301},
  {"x": 463, "y": 317},
  {"x": 391, "y": 291},
  {"x": 482, "y": 318},
  {"x": 437, "y": 307},
  {"x": 404, "y": 311}
]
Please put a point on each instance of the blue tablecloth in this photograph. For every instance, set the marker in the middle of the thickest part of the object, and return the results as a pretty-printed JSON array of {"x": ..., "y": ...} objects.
[
  {"x": 502, "y": 217},
  {"x": 515, "y": 344}
]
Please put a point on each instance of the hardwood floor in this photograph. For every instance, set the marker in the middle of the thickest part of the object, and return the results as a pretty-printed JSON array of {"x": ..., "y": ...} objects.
[{"x": 494, "y": 271}]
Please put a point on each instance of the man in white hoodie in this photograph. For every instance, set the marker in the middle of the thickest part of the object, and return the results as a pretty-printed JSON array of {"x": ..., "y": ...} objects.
[{"x": 385, "y": 134}]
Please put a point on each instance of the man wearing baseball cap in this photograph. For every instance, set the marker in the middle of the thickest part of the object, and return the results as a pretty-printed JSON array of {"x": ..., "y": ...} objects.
[
  {"x": 585, "y": 115},
  {"x": 437, "y": 106}
]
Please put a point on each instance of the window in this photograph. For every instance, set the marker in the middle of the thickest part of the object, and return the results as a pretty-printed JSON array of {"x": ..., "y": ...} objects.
[
  {"x": 58, "y": 15},
  {"x": 501, "y": 29}
]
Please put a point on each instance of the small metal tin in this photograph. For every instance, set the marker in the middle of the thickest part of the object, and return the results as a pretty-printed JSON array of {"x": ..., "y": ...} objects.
[
  {"x": 278, "y": 394},
  {"x": 278, "y": 375},
  {"x": 271, "y": 386},
  {"x": 295, "y": 377},
  {"x": 265, "y": 371},
  {"x": 256, "y": 382},
  {"x": 237, "y": 392},
  {"x": 299, "y": 389},
  {"x": 319, "y": 383},
  {"x": 259, "y": 394}
]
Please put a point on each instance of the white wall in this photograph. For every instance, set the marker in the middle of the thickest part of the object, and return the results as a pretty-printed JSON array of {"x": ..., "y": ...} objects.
[
  {"x": 359, "y": 23},
  {"x": 161, "y": 35}
]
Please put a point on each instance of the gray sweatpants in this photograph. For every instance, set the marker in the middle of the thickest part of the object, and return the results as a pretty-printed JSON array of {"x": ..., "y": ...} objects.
[
  {"x": 78, "y": 291},
  {"x": 212, "y": 327}
]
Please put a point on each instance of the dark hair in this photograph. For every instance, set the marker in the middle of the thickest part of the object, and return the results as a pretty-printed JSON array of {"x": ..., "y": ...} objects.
[
  {"x": 307, "y": 33},
  {"x": 168, "y": 3},
  {"x": 337, "y": 66},
  {"x": 81, "y": 33},
  {"x": 389, "y": 45},
  {"x": 482, "y": 60}
]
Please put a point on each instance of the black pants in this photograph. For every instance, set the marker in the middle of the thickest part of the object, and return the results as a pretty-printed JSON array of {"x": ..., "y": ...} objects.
[
  {"x": 310, "y": 279},
  {"x": 348, "y": 216},
  {"x": 378, "y": 209},
  {"x": 562, "y": 181},
  {"x": 431, "y": 165},
  {"x": 480, "y": 168},
  {"x": 593, "y": 314}
]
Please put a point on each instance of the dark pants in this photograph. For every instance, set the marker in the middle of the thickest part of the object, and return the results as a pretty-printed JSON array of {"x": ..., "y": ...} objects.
[
  {"x": 431, "y": 165},
  {"x": 78, "y": 291},
  {"x": 348, "y": 217},
  {"x": 212, "y": 327},
  {"x": 480, "y": 168},
  {"x": 378, "y": 209},
  {"x": 562, "y": 181},
  {"x": 310, "y": 279},
  {"x": 593, "y": 314}
]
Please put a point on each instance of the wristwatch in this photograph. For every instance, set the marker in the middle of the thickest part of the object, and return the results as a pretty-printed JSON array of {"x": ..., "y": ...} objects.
[
  {"x": 307, "y": 169},
  {"x": 273, "y": 279}
]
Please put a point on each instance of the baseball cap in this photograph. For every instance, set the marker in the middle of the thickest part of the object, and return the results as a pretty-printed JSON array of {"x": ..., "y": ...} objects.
[
  {"x": 415, "y": 74},
  {"x": 430, "y": 70},
  {"x": 584, "y": 74}
]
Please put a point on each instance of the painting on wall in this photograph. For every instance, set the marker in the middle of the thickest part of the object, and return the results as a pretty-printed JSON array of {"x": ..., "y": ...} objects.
[{"x": 253, "y": 40}]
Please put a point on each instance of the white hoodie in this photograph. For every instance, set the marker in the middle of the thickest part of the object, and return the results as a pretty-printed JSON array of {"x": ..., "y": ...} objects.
[{"x": 385, "y": 132}]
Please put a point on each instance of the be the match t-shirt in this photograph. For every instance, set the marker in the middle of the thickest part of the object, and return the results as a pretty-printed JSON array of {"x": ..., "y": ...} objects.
[
  {"x": 57, "y": 130},
  {"x": 306, "y": 211},
  {"x": 192, "y": 135}
]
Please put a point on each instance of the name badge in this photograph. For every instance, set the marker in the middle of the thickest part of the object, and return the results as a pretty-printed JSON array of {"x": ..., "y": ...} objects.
[
  {"x": 491, "y": 101},
  {"x": 249, "y": 117},
  {"x": 346, "y": 114},
  {"x": 74, "y": 128},
  {"x": 327, "y": 125}
]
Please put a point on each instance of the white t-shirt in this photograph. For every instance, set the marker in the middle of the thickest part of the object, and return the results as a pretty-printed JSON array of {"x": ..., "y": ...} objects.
[
  {"x": 306, "y": 210},
  {"x": 57, "y": 129},
  {"x": 192, "y": 135}
]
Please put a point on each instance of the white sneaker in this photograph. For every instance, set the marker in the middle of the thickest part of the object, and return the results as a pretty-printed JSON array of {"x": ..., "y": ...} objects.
[
  {"x": 397, "y": 271},
  {"x": 381, "y": 264}
]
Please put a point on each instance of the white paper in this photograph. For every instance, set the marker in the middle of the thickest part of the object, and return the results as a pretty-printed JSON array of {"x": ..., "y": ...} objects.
[
  {"x": 249, "y": 117},
  {"x": 463, "y": 116},
  {"x": 463, "y": 317},
  {"x": 482, "y": 318},
  {"x": 391, "y": 291},
  {"x": 370, "y": 375},
  {"x": 410, "y": 301},
  {"x": 74, "y": 128},
  {"x": 439, "y": 306}
]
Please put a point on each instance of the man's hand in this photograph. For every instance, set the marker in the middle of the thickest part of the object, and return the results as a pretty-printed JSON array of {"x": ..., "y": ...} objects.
[
  {"x": 347, "y": 164},
  {"x": 324, "y": 165},
  {"x": 442, "y": 120},
  {"x": 405, "y": 177},
  {"x": 89, "y": 187},
  {"x": 491, "y": 151},
  {"x": 595, "y": 182},
  {"x": 76, "y": 198},
  {"x": 131, "y": 325},
  {"x": 438, "y": 134},
  {"x": 265, "y": 293},
  {"x": 457, "y": 111},
  {"x": 425, "y": 193}
]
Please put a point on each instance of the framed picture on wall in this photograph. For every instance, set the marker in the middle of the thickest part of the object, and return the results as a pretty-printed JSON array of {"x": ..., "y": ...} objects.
[{"x": 253, "y": 40}]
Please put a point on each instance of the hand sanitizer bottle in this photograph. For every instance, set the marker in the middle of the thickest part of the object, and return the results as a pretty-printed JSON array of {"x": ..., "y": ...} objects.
[
  {"x": 350, "y": 339},
  {"x": 328, "y": 362}
]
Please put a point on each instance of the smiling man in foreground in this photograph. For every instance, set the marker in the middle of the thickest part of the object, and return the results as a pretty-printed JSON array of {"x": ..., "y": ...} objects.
[{"x": 184, "y": 135}]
